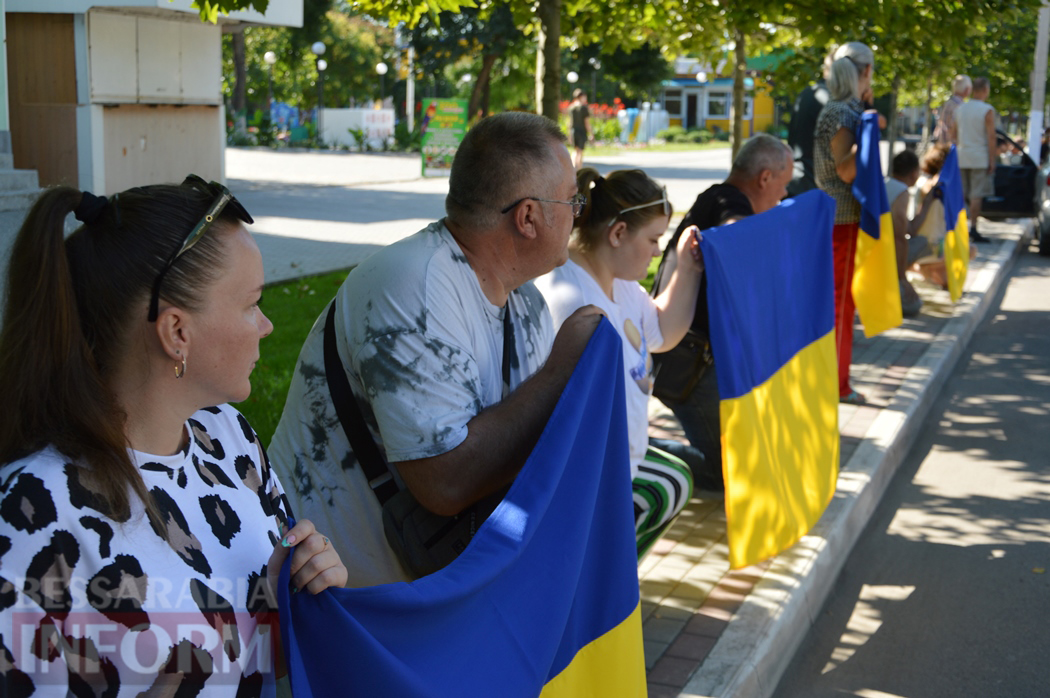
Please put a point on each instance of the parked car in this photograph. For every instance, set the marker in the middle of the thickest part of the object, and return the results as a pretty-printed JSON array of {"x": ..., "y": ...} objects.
[{"x": 1015, "y": 187}]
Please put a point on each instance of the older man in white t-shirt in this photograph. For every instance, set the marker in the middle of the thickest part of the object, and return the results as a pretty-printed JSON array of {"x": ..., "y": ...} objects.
[
  {"x": 420, "y": 331},
  {"x": 974, "y": 132}
]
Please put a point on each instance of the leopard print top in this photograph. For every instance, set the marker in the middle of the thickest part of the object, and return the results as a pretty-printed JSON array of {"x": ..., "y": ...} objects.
[{"x": 94, "y": 606}]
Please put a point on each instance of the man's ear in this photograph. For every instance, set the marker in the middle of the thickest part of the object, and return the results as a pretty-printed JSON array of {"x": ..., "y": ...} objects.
[
  {"x": 617, "y": 233},
  {"x": 764, "y": 178},
  {"x": 526, "y": 215},
  {"x": 173, "y": 332}
]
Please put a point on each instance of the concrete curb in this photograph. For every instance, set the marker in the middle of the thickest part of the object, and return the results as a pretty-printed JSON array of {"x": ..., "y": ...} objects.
[{"x": 761, "y": 639}]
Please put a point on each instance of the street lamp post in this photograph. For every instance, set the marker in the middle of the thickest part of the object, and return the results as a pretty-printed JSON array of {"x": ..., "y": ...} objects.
[
  {"x": 318, "y": 48},
  {"x": 381, "y": 70},
  {"x": 270, "y": 58},
  {"x": 595, "y": 67}
]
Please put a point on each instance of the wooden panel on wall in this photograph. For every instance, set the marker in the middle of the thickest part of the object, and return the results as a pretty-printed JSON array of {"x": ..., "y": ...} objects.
[
  {"x": 43, "y": 95},
  {"x": 163, "y": 143},
  {"x": 160, "y": 70},
  {"x": 201, "y": 58},
  {"x": 113, "y": 45}
]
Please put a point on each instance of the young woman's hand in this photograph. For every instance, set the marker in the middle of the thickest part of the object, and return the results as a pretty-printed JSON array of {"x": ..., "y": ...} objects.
[
  {"x": 688, "y": 250},
  {"x": 315, "y": 563}
]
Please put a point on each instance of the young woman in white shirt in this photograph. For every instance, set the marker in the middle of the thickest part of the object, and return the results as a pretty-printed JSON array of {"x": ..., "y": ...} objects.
[{"x": 616, "y": 236}]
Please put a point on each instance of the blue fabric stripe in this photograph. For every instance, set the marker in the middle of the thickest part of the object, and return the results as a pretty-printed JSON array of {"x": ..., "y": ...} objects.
[
  {"x": 950, "y": 185},
  {"x": 770, "y": 289},
  {"x": 869, "y": 186},
  {"x": 553, "y": 569}
]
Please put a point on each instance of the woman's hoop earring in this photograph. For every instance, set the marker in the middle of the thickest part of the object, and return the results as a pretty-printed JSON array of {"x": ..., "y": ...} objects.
[{"x": 180, "y": 369}]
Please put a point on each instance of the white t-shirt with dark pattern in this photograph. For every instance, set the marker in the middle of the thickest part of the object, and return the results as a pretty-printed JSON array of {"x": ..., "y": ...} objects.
[
  {"x": 416, "y": 336},
  {"x": 93, "y": 606}
]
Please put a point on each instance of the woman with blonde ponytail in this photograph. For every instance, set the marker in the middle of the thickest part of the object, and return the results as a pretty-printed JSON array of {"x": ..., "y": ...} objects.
[
  {"x": 141, "y": 528},
  {"x": 849, "y": 69},
  {"x": 616, "y": 236}
]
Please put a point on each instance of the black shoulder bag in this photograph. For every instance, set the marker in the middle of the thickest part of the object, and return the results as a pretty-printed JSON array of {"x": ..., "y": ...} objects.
[
  {"x": 423, "y": 541},
  {"x": 676, "y": 372}
]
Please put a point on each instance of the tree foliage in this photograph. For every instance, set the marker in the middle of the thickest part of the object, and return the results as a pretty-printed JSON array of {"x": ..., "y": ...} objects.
[
  {"x": 210, "y": 9},
  {"x": 354, "y": 46}
]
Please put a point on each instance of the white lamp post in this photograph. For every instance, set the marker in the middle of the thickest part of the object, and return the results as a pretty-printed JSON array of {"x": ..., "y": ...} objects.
[
  {"x": 270, "y": 58},
  {"x": 381, "y": 69},
  {"x": 318, "y": 48},
  {"x": 596, "y": 65}
]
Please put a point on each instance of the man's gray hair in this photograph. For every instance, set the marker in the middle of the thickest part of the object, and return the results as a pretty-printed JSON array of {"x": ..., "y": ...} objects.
[
  {"x": 502, "y": 158},
  {"x": 761, "y": 152},
  {"x": 961, "y": 83},
  {"x": 848, "y": 61},
  {"x": 981, "y": 84}
]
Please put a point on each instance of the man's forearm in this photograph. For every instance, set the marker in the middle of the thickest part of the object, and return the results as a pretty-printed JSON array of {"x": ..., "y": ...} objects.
[{"x": 499, "y": 438}]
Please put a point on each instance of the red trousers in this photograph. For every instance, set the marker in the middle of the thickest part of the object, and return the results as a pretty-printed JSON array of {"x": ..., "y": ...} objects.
[{"x": 844, "y": 250}]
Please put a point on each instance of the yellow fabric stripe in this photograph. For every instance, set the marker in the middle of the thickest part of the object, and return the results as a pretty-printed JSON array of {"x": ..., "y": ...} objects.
[
  {"x": 612, "y": 665},
  {"x": 876, "y": 290},
  {"x": 781, "y": 454},
  {"x": 957, "y": 255}
]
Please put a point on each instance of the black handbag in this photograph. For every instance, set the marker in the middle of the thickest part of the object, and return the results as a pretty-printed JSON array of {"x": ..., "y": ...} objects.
[
  {"x": 677, "y": 372},
  {"x": 422, "y": 541}
]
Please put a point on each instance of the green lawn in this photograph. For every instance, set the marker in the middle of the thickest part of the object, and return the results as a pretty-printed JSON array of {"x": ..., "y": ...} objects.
[{"x": 292, "y": 307}]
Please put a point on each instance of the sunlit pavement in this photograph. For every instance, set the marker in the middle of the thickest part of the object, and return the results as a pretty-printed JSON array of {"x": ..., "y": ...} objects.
[{"x": 712, "y": 632}]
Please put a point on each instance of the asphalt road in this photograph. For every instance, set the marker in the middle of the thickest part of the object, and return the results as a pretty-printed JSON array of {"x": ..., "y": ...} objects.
[{"x": 947, "y": 592}]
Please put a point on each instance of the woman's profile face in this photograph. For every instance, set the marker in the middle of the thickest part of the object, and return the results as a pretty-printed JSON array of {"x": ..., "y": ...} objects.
[
  {"x": 229, "y": 324},
  {"x": 638, "y": 249}
]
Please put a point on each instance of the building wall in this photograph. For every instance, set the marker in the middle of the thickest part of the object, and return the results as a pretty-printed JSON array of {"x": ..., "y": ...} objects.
[
  {"x": 152, "y": 109},
  {"x": 759, "y": 111},
  {"x": 288, "y": 13},
  {"x": 145, "y": 143}
]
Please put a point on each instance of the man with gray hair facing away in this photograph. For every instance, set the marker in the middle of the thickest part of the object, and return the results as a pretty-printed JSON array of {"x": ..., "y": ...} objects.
[
  {"x": 448, "y": 349},
  {"x": 961, "y": 88},
  {"x": 974, "y": 133},
  {"x": 685, "y": 377}
]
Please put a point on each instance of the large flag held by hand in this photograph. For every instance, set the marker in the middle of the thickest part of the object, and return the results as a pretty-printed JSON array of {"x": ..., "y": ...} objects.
[
  {"x": 876, "y": 288},
  {"x": 957, "y": 232},
  {"x": 544, "y": 600},
  {"x": 773, "y": 337}
]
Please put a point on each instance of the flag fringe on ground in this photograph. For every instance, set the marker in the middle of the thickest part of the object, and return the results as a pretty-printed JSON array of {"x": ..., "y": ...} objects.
[
  {"x": 956, "y": 225},
  {"x": 876, "y": 287},
  {"x": 544, "y": 600},
  {"x": 773, "y": 337}
]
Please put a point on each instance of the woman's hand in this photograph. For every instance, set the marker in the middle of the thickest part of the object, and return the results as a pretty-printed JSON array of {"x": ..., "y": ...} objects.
[
  {"x": 688, "y": 250},
  {"x": 315, "y": 563}
]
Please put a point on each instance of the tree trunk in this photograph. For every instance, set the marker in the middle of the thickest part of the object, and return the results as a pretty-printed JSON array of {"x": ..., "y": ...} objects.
[
  {"x": 481, "y": 85},
  {"x": 548, "y": 59},
  {"x": 240, "y": 85},
  {"x": 893, "y": 125},
  {"x": 739, "y": 73},
  {"x": 927, "y": 111}
]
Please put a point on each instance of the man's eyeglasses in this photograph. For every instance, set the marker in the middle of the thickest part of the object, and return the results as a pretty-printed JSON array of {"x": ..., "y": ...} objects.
[
  {"x": 223, "y": 198},
  {"x": 577, "y": 202},
  {"x": 664, "y": 201}
]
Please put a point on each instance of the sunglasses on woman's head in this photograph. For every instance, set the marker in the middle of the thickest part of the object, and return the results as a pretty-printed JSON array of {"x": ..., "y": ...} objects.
[
  {"x": 223, "y": 198},
  {"x": 663, "y": 200}
]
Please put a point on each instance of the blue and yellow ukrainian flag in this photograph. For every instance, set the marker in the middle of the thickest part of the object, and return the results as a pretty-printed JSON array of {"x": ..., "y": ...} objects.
[
  {"x": 773, "y": 337},
  {"x": 544, "y": 600},
  {"x": 876, "y": 288},
  {"x": 957, "y": 230}
]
